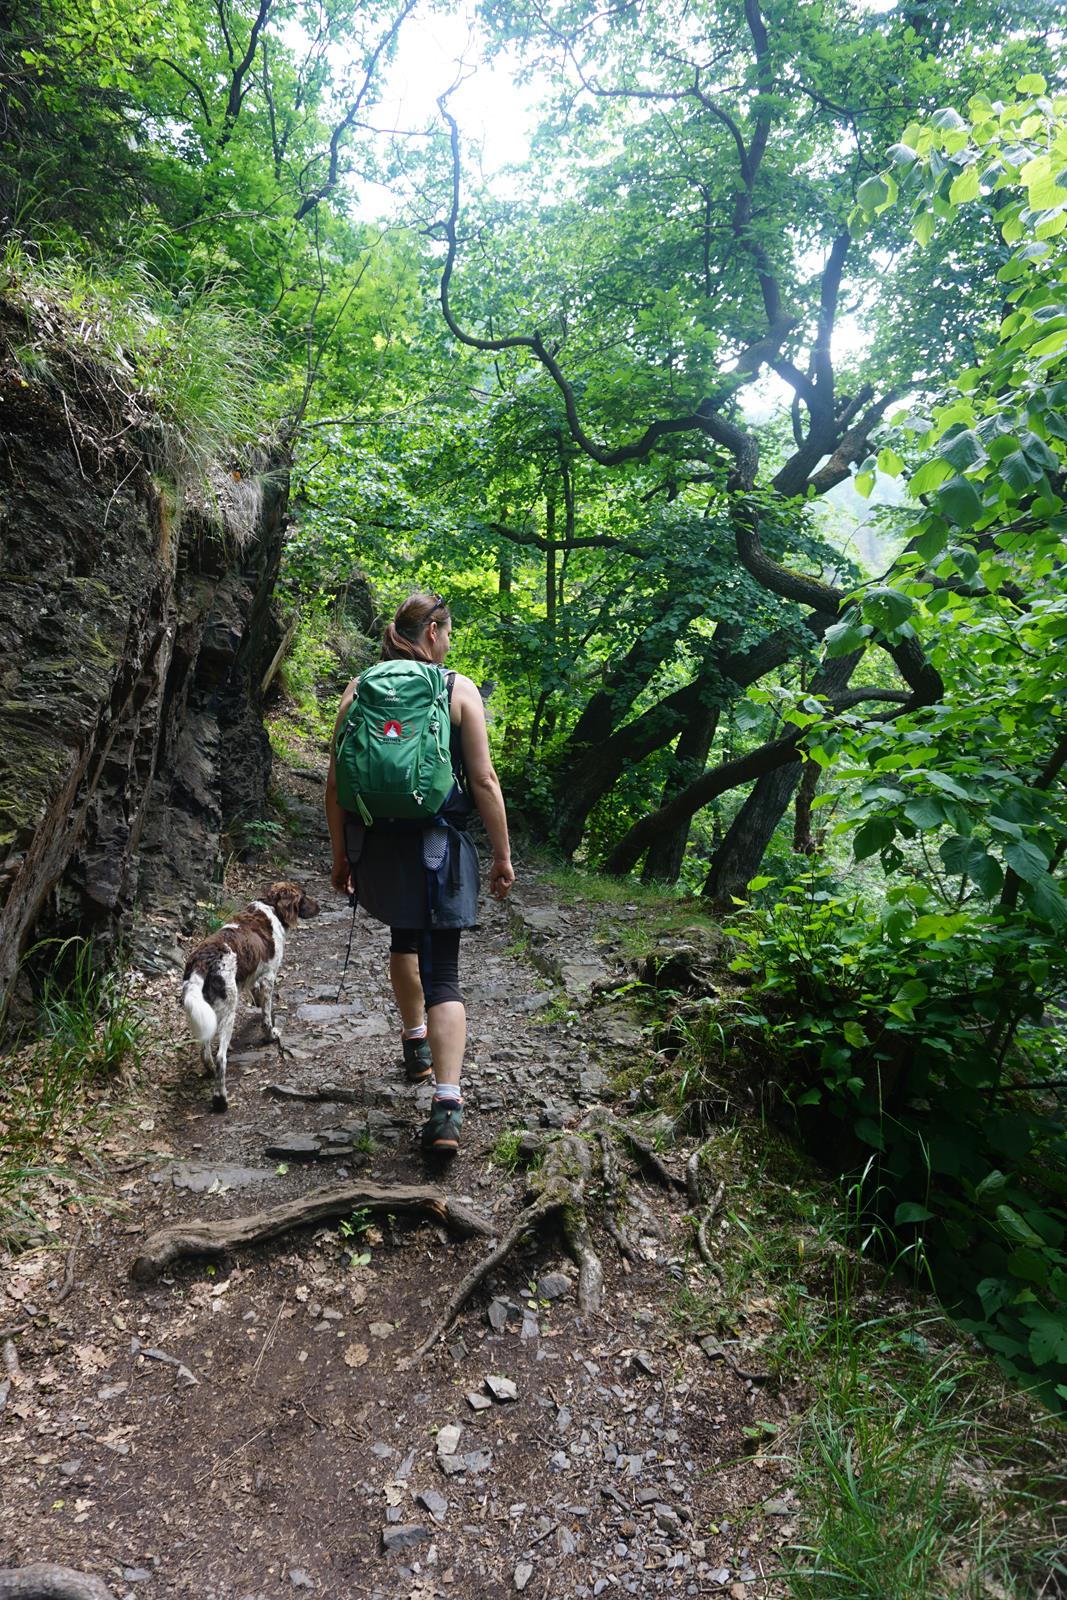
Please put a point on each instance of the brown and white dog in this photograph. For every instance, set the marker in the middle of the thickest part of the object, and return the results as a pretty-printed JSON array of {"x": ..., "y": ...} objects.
[{"x": 244, "y": 955}]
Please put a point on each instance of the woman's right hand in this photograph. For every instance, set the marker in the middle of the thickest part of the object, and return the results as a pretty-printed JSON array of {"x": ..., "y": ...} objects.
[
  {"x": 341, "y": 877},
  {"x": 501, "y": 877}
]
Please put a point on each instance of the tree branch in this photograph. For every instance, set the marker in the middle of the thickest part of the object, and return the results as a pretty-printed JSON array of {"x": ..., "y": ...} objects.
[
  {"x": 705, "y": 419},
  {"x": 728, "y": 775},
  {"x": 312, "y": 200}
]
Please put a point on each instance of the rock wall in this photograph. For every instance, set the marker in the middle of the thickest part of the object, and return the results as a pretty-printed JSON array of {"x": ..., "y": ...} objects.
[{"x": 133, "y": 640}]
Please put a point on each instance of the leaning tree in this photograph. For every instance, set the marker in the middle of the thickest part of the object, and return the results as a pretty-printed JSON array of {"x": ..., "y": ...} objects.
[{"x": 701, "y": 165}]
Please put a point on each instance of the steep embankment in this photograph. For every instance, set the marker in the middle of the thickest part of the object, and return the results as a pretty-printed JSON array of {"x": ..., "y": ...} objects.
[{"x": 134, "y": 633}]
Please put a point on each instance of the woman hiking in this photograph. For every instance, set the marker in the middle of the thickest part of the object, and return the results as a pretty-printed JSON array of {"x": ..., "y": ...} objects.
[{"x": 419, "y": 874}]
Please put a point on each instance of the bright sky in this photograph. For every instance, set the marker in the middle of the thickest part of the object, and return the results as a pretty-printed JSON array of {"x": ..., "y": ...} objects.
[{"x": 495, "y": 114}]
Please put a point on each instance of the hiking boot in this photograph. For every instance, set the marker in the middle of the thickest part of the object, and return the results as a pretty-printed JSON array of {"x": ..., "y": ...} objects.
[
  {"x": 440, "y": 1137},
  {"x": 418, "y": 1063}
]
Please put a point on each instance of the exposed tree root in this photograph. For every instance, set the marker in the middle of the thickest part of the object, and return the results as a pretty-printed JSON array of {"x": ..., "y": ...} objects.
[
  {"x": 325, "y": 1091},
  {"x": 702, "y": 1235},
  {"x": 162, "y": 1249},
  {"x": 647, "y": 1157},
  {"x": 557, "y": 1193},
  {"x": 43, "y": 1581},
  {"x": 529, "y": 1219}
]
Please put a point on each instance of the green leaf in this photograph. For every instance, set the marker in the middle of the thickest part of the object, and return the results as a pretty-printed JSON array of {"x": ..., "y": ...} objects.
[
  {"x": 1026, "y": 861},
  {"x": 925, "y": 812},
  {"x": 870, "y": 1132},
  {"x": 1018, "y": 473},
  {"x": 911, "y": 1211},
  {"x": 994, "y": 1293},
  {"x": 961, "y": 502},
  {"x": 1031, "y": 83},
  {"x": 887, "y": 608},
  {"x": 965, "y": 187},
  {"x": 965, "y": 449},
  {"x": 1029, "y": 1265},
  {"x": 929, "y": 476},
  {"x": 923, "y": 224},
  {"x": 1046, "y": 901},
  {"x": 947, "y": 785},
  {"x": 872, "y": 193},
  {"x": 855, "y": 1035},
  {"x": 1048, "y": 1340},
  {"x": 931, "y": 542},
  {"x": 1016, "y": 1228},
  {"x": 844, "y": 637},
  {"x": 875, "y": 834}
]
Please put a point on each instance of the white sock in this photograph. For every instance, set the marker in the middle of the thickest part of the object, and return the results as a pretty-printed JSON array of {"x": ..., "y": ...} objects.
[
  {"x": 448, "y": 1092},
  {"x": 415, "y": 1033}
]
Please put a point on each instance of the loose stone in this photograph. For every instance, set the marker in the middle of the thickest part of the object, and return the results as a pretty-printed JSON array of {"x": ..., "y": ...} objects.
[{"x": 405, "y": 1536}]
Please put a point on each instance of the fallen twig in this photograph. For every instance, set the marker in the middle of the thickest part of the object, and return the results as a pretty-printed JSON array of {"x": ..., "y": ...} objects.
[
  {"x": 68, "y": 1275},
  {"x": 168, "y": 1245},
  {"x": 268, "y": 1341},
  {"x": 213, "y": 1472},
  {"x": 184, "y": 1375}
]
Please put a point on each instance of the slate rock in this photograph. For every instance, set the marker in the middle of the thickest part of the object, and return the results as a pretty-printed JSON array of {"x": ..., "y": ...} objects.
[
  {"x": 200, "y": 1176},
  {"x": 405, "y": 1536},
  {"x": 554, "y": 1286},
  {"x": 523, "y": 1574},
  {"x": 314, "y": 1012},
  {"x": 479, "y": 1402},
  {"x": 299, "y": 1579},
  {"x": 498, "y": 1314},
  {"x": 434, "y": 1503},
  {"x": 448, "y": 1439},
  {"x": 501, "y": 1389},
  {"x": 297, "y": 1147}
]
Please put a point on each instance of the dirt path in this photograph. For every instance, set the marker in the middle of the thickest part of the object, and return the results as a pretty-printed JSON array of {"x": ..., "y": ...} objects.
[{"x": 281, "y": 1450}]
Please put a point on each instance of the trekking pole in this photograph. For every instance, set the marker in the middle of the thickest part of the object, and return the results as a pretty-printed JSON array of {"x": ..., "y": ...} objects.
[{"x": 354, "y": 903}]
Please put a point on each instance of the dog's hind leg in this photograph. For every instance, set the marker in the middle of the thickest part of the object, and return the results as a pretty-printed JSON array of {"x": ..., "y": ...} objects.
[
  {"x": 266, "y": 991},
  {"x": 207, "y": 1058},
  {"x": 227, "y": 1013}
]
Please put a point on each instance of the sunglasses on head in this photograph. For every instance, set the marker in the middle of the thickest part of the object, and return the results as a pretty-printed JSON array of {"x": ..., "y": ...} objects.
[{"x": 439, "y": 604}]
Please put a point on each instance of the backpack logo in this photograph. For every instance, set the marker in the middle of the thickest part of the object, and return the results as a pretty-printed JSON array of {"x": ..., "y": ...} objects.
[{"x": 392, "y": 729}]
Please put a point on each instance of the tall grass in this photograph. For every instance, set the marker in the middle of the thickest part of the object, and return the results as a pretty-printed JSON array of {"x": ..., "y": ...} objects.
[
  {"x": 189, "y": 365},
  {"x": 87, "y": 1031},
  {"x": 919, "y": 1474}
]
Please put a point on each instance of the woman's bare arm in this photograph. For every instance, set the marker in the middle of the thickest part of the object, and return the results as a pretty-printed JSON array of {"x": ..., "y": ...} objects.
[
  {"x": 484, "y": 783},
  {"x": 340, "y": 876}
]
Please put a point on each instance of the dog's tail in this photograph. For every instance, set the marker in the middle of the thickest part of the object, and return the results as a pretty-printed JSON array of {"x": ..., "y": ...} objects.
[{"x": 202, "y": 1019}]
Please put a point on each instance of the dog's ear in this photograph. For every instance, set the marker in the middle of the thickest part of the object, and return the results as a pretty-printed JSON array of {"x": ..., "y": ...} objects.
[
  {"x": 285, "y": 898},
  {"x": 307, "y": 907}
]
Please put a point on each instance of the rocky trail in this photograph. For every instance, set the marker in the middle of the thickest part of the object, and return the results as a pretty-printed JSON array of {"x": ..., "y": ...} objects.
[{"x": 303, "y": 1414}]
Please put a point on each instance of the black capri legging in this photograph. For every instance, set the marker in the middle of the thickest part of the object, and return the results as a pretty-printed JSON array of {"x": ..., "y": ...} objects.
[{"x": 438, "y": 953}]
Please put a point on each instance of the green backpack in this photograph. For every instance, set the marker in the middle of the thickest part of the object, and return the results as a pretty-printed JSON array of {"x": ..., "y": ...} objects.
[{"x": 393, "y": 756}]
